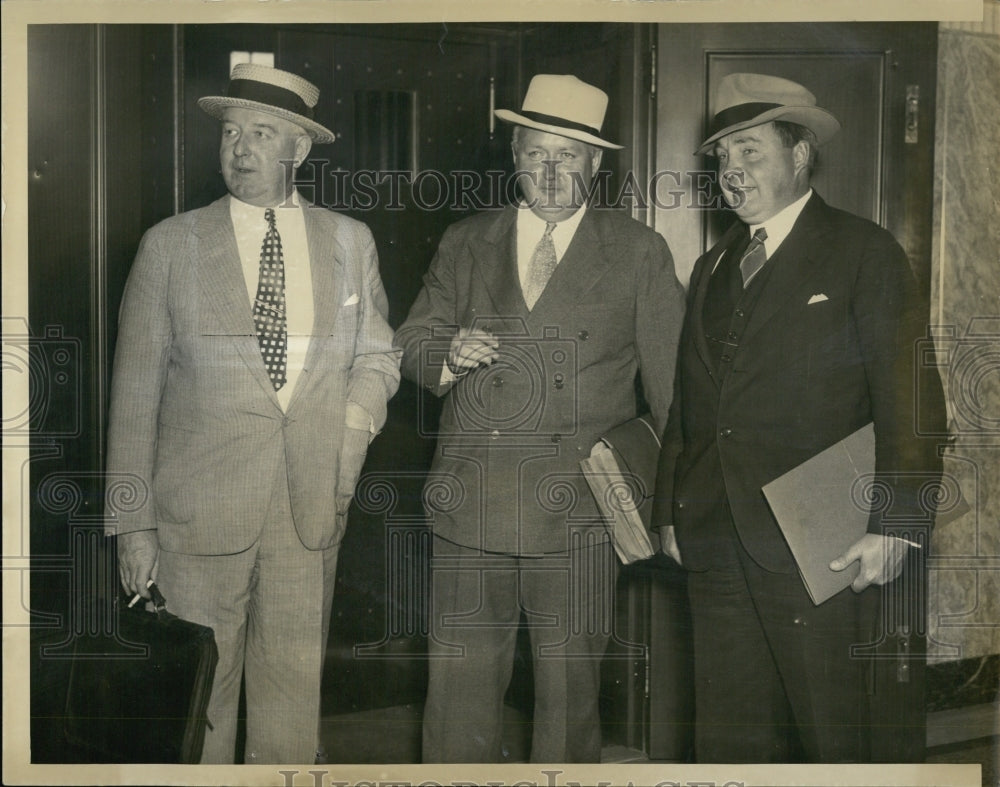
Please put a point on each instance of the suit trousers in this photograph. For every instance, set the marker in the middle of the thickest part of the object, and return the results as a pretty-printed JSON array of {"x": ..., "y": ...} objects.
[
  {"x": 477, "y": 601},
  {"x": 270, "y": 609},
  {"x": 775, "y": 680}
]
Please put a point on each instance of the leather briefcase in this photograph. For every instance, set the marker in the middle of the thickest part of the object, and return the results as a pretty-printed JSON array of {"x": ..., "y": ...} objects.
[{"x": 141, "y": 696}]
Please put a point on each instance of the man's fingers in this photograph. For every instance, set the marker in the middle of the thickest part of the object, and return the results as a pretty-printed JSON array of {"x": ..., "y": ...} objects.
[
  {"x": 844, "y": 560},
  {"x": 473, "y": 352}
]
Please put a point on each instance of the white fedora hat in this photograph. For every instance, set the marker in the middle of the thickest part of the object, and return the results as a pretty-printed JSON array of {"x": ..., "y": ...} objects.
[
  {"x": 562, "y": 104},
  {"x": 745, "y": 100},
  {"x": 271, "y": 90}
]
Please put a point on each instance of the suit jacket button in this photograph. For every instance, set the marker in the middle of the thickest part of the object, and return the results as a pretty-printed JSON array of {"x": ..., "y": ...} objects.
[
  {"x": 732, "y": 334},
  {"x": 556, "y": 438},
  {"x": 725, "y": 431},
  {"x": 680, "y": 504},
  {"x": 738, "y": 312},
  {"x": 583, "y": 336},
  {"x": 494, "y": 434},
  {"x": 726, "y": 358},
  {"x": 497, "y": 382}
]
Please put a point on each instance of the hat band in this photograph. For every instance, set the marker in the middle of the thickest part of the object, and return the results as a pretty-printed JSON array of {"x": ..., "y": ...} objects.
[
  {"x": 738, "y": 114},
  {"x": 552, "y": 120},
  {"x": 264, "y": 93}
]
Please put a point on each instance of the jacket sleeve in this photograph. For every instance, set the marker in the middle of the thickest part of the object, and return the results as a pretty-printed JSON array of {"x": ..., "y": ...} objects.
[
  {"x": 432, "y": 322},
  {"x": 139, "y": 374},
  {"x": 672, "y": 442},
  {"x": 374, "y": 374},
  {"x": 891, "y": 316},
  {"x": 659, "y": 317}
]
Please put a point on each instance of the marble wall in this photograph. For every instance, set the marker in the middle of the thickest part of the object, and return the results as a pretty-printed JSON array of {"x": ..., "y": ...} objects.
[{"x": 965, "y": 560}]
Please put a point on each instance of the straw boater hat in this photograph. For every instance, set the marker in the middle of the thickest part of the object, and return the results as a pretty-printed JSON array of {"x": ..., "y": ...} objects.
[
  {"x": 564, "y": 105},
  {"x": 745, "y": 100},
  {"x": 271, "y": 90}
]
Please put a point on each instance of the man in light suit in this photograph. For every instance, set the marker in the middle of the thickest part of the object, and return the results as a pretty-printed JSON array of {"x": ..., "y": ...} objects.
[
  {"x": 533, "y": 321},
  {"x": 253, "y": 366},
  {"x": 792, "y": 341}
]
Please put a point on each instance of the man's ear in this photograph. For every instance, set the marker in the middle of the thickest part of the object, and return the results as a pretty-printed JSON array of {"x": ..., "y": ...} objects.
[
  {"x": 800, "y": 155},
  {"x": 303, "y": 144},
  {"x": 595, "y": 160}
]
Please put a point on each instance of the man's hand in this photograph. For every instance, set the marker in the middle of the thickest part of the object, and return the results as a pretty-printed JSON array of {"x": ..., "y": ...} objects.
[
  {"x": 668, "y": 544},
  {"x": 471, "y": 348},
  {"x": 352, "y": 459},
  {"x": 138, "y": 560},
  {"x": 881, "y": 560}
]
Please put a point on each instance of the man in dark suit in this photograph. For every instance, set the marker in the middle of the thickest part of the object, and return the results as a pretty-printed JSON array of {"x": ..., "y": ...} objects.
[
  {"x": 800, "y": 329},
  {"x": 253, "y": 366},
  {"x": 533, "y": 321}
]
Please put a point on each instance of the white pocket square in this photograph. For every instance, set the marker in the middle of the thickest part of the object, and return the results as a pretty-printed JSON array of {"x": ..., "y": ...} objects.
[
  {"x": 352, "y": 300},
  {"x": 817, "y": 298}
]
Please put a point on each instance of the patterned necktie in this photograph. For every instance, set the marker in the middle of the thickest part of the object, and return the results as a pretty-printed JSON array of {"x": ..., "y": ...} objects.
[
  {"x": 269, "y": 305},
  {"x": 543, "y": 263},
  {"x": 754, "y": 257}
]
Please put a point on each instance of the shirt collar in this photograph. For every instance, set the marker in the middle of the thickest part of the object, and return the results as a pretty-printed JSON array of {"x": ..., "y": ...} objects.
[
  {"x": 529, "y": 224},
  {"x": 245, "y": 212},
  {"x": 780, "y": 224}
]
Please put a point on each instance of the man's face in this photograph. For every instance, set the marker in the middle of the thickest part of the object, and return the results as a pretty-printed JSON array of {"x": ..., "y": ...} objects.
[
  {"x": 258, "y": 155},
  {"x": 556, "y": 172},
  {"x": 758, "y": 174}
]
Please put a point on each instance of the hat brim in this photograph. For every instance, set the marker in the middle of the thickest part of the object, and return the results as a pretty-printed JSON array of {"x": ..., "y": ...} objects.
[
  {"x": 217, "y": 105},
  {"x": 513, "y": 117},
  {"x": 818, "y": 120}
]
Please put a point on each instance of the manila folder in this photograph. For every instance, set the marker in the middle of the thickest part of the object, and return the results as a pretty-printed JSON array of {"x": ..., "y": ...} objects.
[{"x": 821, "y": 509}]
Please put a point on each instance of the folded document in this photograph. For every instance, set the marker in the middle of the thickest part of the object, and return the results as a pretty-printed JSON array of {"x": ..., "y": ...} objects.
[{"x": 621, "y": 472}]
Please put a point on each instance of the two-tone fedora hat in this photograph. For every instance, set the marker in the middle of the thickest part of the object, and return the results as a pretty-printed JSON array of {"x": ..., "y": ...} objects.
[
  {"x": 564, "y": 105},
  {"x": 271, "y": 90},
  {"x": 746, "y": 100}
]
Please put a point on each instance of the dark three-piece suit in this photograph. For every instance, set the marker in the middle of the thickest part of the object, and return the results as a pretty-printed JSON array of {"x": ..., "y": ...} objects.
[{"x": 820, "y": 343}]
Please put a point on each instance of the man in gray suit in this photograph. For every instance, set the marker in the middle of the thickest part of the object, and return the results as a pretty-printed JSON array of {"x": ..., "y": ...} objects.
[
  {"x": 533, "y": 321},
  {"x": 253, "y": 366}
]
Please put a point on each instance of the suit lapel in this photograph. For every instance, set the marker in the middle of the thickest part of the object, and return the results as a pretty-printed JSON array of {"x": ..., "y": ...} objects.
[
  {"x": 587, "y": 258},
  {"x": 326, "y": 267},
  {"x": 495, "y": 257},
  {"x": 699, "y": 284},
  {"x": 793, "y": 265},
  {"x": 224, "y": 288}
]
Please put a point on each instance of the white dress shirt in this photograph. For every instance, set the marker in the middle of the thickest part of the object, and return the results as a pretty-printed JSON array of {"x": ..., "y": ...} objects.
[
  {"x": 780, "y": 224},
  {"x": 251, "y": 227}
]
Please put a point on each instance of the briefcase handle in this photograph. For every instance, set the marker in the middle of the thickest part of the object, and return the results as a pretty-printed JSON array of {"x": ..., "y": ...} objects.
[{"x": 159, "y": 602}]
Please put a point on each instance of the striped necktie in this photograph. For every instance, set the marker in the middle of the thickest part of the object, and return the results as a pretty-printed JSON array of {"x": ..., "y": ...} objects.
[
  {"x": 269, "y": 305},
  {"x": 754, "y": 257}
]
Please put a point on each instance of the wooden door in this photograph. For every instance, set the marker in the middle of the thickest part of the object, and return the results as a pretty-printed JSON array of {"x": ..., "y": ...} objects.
[{"x": 879, "y": 80}]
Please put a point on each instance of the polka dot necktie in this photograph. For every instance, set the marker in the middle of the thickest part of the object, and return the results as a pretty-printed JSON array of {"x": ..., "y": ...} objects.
[
  {"x": 754, "y": 257},
  {"x": 543, "y": 264},
  {"x": 269, "y": 305}
]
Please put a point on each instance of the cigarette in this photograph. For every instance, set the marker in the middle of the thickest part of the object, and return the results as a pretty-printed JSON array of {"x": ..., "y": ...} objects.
[{"x": 137, "y": 596}]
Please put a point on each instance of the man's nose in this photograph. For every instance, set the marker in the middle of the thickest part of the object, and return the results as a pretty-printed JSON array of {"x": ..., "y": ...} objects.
[
  {"x": 732, "y": 177},
  {"x": 240, "y": 148}
]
